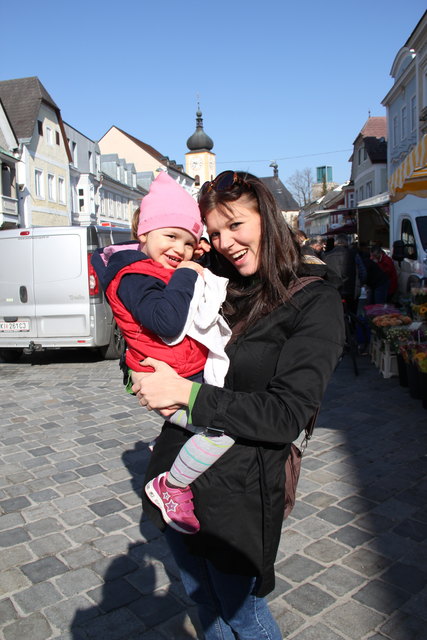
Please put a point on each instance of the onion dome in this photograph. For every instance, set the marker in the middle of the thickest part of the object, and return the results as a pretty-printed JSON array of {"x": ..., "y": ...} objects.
[{"x": 199, "y": 141}]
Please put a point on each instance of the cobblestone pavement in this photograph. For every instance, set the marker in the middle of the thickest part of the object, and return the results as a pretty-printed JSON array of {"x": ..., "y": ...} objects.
[{"x": 77, "y": 562}]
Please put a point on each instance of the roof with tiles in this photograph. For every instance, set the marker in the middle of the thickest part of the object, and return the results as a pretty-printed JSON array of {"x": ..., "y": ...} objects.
[
  {"x": 21, "y": 98},
  {"x": 375, "y": 127}
]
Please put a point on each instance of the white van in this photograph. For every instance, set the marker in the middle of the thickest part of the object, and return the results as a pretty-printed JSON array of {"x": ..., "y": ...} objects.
[
  {"x": 50, "y": 297},
  {"x": 408, "y": 229}
]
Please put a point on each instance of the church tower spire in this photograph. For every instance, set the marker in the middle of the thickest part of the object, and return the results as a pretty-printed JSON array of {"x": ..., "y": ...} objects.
[{"x": 199, "y": 160}]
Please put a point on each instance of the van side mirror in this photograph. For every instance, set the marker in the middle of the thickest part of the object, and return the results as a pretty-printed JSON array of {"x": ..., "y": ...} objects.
[{"x": 398, "y": 251}]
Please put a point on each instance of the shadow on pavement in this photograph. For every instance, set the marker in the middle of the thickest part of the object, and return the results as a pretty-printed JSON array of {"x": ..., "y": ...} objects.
[{"x": 141, "y": 589}]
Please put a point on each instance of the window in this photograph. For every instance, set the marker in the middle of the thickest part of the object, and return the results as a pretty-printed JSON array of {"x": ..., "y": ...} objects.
[
  {"x": 81, "y": 205},
  {"x": 369, "y": 189},
  {"x": 365, "y": 153},
  {"x": 61, "y": 190},
  {"x": 350, "y": 200},
  {"x": 49, "y": 137},
  {"x": 413, "y": 116},
  {"x": 359, "y": 156},
  {"x": 38, "y": 181},
  {"x": 395, "y": 131},
  {"x": 74, "y": 153},
  {"x": 361, "y": 192},
  {"x": 51, "y": 190},
  {"x": 40, "y": 127},
  {"x": 90, "y": 158},
  {"x": 404, "y": 118},
  {"x": 407, "y": 235},
  {"x": 58, "y": 139}
]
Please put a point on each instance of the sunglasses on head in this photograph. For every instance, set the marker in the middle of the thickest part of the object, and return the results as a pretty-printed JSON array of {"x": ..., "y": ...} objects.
[{"x": 223, "y": 182}]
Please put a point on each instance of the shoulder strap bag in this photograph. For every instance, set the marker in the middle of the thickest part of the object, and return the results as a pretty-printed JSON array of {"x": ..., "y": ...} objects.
[{"x": 293, "y": 461}]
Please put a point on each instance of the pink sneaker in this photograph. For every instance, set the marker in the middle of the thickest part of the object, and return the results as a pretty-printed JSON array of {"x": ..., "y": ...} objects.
[{"x": 175, "y": 504}]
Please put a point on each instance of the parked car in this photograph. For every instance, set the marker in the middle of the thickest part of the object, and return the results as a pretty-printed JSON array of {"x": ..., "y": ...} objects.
[{"x": 50, "y": 297}]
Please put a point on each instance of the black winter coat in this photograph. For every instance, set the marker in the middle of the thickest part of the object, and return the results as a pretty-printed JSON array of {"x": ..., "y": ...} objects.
[{"x": 279, "y": 370}]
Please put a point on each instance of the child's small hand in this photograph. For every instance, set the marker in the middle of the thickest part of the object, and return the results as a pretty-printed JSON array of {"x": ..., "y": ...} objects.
[{"x": 189, "y": 264}]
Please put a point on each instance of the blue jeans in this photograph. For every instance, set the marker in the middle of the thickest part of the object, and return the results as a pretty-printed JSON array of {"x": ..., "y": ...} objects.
[{"x": 227, "y": 608}]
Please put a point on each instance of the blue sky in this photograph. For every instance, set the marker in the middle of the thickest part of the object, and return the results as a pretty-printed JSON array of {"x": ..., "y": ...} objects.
[{"x": 277, "y": 80}]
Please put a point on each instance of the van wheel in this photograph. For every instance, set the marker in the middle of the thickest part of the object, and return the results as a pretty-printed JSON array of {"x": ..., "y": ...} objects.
[
  {"x": 10, "y": 355},
  {"x": 114, "y": 349}
]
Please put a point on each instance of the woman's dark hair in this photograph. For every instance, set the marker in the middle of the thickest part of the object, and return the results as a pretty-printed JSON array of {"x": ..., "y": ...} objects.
[{"x": 248, "y": 299}]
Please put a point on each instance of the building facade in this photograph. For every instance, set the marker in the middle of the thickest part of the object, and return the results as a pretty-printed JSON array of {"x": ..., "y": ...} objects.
[{"x": 43, "y": 170}]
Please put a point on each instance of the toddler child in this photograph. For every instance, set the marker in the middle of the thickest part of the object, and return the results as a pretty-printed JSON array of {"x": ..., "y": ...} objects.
[{"x": 167, "y": 307}]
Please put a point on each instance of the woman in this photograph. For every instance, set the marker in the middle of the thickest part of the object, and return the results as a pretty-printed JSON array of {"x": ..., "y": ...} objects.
[{"x": 283, "y": 351}]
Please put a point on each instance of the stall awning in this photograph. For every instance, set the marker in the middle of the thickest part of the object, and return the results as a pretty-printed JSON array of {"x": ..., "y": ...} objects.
[
  {"x": 349, "y": 227},
  {"x": 411, "y": 176}
]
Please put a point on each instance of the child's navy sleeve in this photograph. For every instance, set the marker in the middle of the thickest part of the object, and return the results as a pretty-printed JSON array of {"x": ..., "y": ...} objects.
[{"x": 158, "y": 307}]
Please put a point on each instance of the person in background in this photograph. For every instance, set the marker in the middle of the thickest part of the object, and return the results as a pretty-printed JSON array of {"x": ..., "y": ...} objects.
[
  {"x": 341, "y": 260},
  {"x": 386, "y": 265},
  {"x": 282, "y": 353},
  {"x": 377, "y": 281},
  {"x": 316, "y": 246}
]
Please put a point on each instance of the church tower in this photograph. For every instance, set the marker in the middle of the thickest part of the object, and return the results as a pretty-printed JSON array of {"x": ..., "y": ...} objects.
[{"x": 200, "y": 162}]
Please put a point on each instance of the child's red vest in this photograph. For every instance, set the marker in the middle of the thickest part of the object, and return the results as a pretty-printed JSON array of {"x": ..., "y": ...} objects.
[{"x": 186, "y": 358}]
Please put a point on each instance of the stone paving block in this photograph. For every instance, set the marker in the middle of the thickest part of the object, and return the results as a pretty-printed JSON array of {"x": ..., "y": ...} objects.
[
  {"x": 149, "y": 578},
  {"x": 317, "y": 632},
  {"x": 114, "y": 594},
  {"x": 180, "y": 627},
  {"x": 78, "y": 580},
  {"x": 77, "y": 516},
  {"x": 353, "y": 619},
  {"x": 34, "y": 626},
  {"x": 412, "y": 529},
  {"x": 109, "y": 569},
  {"x": 314, "y": 527},
  {"x": 339, "y": 580},
  {"x": 83, "y": 533},
  {"x": 417, "y": 605},
  {"x": 298, "y": 568},
  {"x": 404, "y": 627},
  {"x": 40, "y": 511},
  {"x": 12, "y": 580},
  {"x": 90, "y": 470},
  {"x": 43, "y": 527},
  {"x": 10, "y": 521},
  {"x": 309, "y": 599},
  {"x": 114, "y": 544},
  {"x": 49, "y": 545},
  {"x": 111, "y": 523},
  {"x": 320, "y": 499},
  {"x": 107, "y": 507},
  {"x": 14, "y": 504},
  {"x": 335, "y": 515},
  {"x": 351, "y": 536},
  {"x": 8, "y": 612},
  {"x": 43, "y": 569},
  {"x": 156, "y": 608},
  {"x": 406, "y": 577},
  {"x": 37, "y": 597},
  {"x": 108, "y": 626},
  {"x": 61, "y": 615},
  {"x": 325, "y": 550},
  {"x": 288, "y": 619},
  {"x": 366, "y": 562},
  {"x": 82, "y": 556},
  {"x": 11, "y": 537},
  {"x": 381, "y": 596}
]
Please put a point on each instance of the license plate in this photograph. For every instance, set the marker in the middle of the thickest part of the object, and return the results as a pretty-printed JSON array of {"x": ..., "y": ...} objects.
[{"x": 20, "y": 325}]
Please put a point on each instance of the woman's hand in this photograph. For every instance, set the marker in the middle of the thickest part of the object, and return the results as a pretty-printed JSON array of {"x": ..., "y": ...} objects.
[{"x": 161, "y": 389}]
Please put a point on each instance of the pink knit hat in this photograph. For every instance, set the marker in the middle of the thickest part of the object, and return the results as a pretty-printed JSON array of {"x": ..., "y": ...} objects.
[{"x": 167, "y": 204}]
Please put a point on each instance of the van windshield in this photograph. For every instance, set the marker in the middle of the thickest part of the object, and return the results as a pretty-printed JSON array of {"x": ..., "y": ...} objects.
[{"x": 422, "y": 230}]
